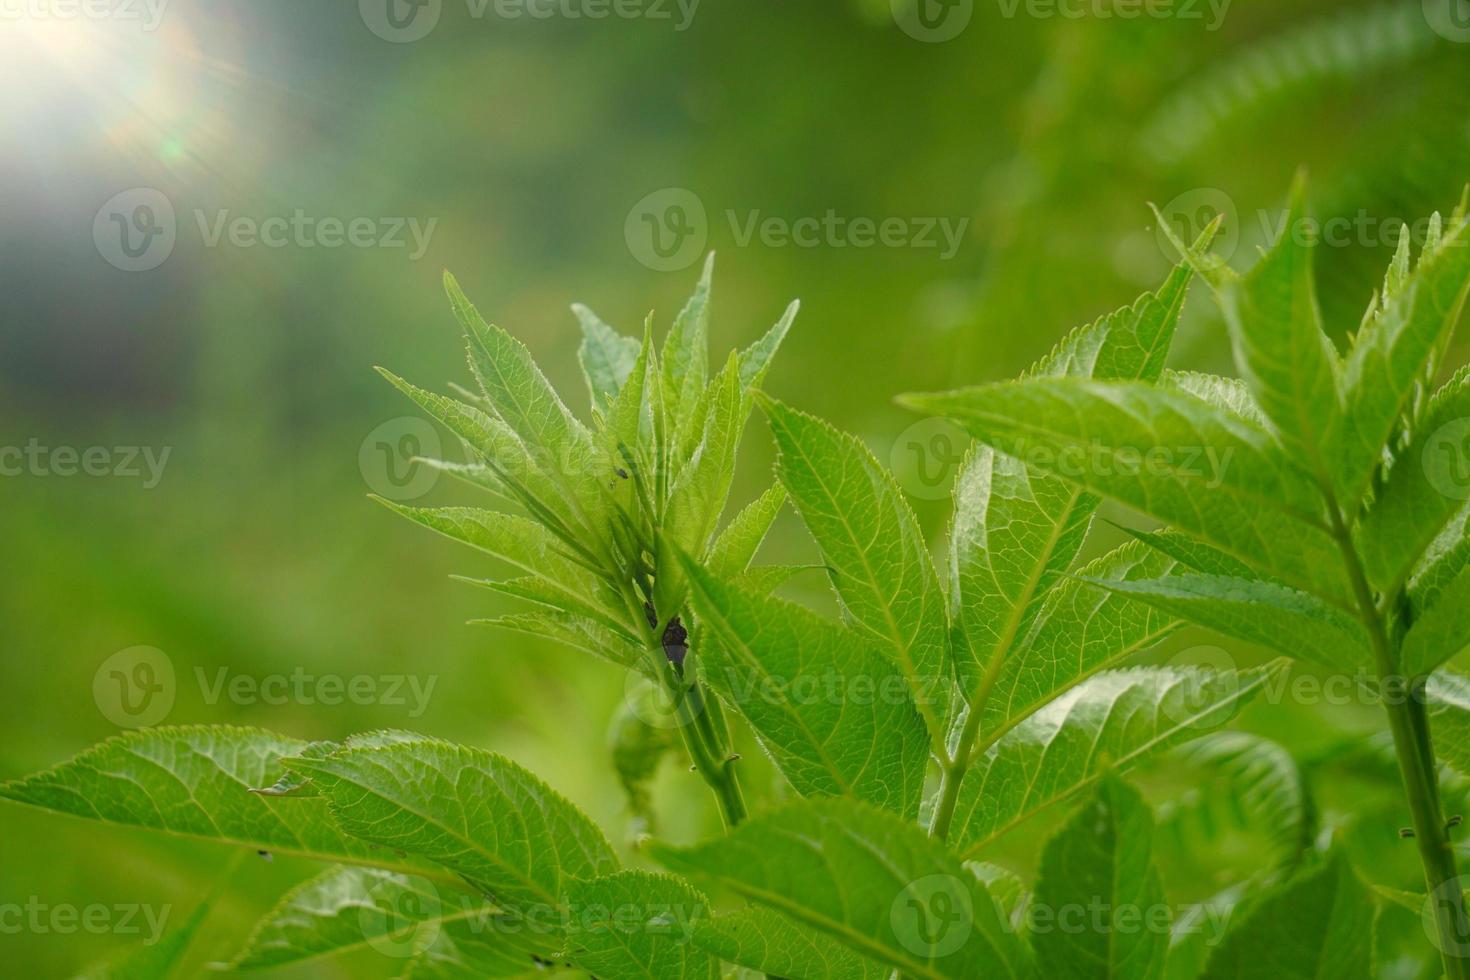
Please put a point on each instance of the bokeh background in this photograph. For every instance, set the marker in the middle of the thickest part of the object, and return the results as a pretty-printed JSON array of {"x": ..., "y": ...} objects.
[{"x": 533, "y": 151}]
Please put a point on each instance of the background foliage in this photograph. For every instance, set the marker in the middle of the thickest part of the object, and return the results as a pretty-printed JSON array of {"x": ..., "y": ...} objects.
[{"x": 530, "y": 141}]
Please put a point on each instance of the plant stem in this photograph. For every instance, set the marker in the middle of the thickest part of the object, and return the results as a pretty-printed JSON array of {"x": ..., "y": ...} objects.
[
  {"x": 711, "y": 754},
  {"x": 1404, "y": 701},
  {"x": 954, "y": 774}
]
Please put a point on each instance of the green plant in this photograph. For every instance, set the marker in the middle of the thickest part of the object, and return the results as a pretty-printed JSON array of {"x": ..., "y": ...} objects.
[
  {"x": 939, "y": 713},
  {"x": 1336, "y": 533}
]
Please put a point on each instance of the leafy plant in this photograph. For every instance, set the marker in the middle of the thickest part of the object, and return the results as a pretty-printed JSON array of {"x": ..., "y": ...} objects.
[{"x": 944, "y": 709}]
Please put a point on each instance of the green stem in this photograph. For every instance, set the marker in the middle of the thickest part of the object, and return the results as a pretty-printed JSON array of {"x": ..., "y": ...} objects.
[
  {"x": 1414, "y": 751},
  {"x": 954, "y": 774}
]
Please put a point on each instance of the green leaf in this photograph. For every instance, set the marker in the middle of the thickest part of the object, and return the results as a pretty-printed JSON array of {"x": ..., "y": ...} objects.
[
  {"x": 876, "y": 555},
  {"x": 1317, "y": 925},
  {"x": 514, "y": 464},
  {"x": 639, "y": 924},
  {"x": 196, "y": 781},
  {"x": 868, "y": 878},
  {"x": 764, "y": 940},
  {"x": 735, "y": 548},
  {"x": 1445, "y": 558},
  {"x": 1414, "y": 507},
  {"x": 1230, "y": 394},
  {"x": 1081, "y": 630},
  {"x": 685, "y": 358},
  {"x": 555, "y": 597},
  {"x": 607, "y": 357},
  {"x": 1099, "y": 867},
  {"x": 1016, "y": 530},
  {"x": 830, "y": 709},
  {"x": 523, "y": 543},
  {"x": 1449, "y": 719},
  {"x": 1109, "y": 722},
  {"x": 755, "y": 360},
  {"x": 1394, "y": 352},
  {"x": 346, "y": 910},
  {"x": 571, "y": 630},
  {"x": 478, "y": 814},
  {"x": 1276, "y": 329},
  {"x": 1168, "y": 455},
  {"x": 1441, "y": 632},
  {"x": 524, "y": 400},
  {"x": 1193, "y": 554},
  {"x": 1273, "y": 616},
  {"x": 1257, "y": 784}
]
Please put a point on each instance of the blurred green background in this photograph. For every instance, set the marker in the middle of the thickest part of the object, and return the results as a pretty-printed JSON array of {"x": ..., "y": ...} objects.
[{"x": 532, "y": 143}]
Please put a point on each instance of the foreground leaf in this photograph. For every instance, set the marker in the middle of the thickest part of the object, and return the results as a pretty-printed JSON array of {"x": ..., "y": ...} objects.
[
  {"x": 833, "y": 713},
  {"x": 346, "y": 910},
  {"x": 196, "y": 782},
  {"x": 876, "y": 554},
  {"x": 638, "y": 924},
  {"x": 1449, "y": 719},
  {"x": 764, "y": 940},
  {"x": 1269, "y": 615},
  {"x": 1082, "y": 630},
  {"x": 868, "y": 878},
  {"x": 1109, "y": 722},
  {"x": 1392, "y": 353},
  {"x": 1441, "y": 632},
  {"x": 1102, "y": 859},
  {"x": 1318, "y": 925},
  {"x": 1016, "y": 530},
  {"x": 476, "y": 813},
  {"x": 1167, "y": 454}
]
